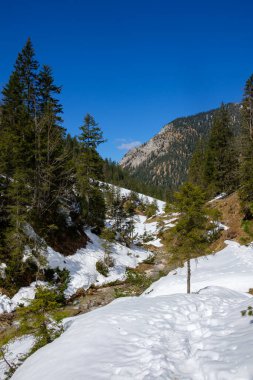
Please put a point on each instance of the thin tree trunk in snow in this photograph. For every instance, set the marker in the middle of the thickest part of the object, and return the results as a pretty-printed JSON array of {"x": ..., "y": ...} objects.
[{"x": 188, "y": 276}]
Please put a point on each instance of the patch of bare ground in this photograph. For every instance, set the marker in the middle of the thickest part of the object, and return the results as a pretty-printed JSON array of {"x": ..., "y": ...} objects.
[{"x": 231, "y": 216}]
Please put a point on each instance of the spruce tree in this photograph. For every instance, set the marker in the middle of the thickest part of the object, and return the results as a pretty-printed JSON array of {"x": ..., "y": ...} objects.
[
  {"x": 51, "y": 171},
  {"x": 18, "y": 110},
  {"x": 221, "y": 161},
  {"x": 35, "y": 176},
  {"x": 17, "y": 153},
  {"x": 197, "y": 165},
  {"x": 191, "y": 235},
  {"x": 246, "y": 165},
  {"x": 89, "y": 169}
]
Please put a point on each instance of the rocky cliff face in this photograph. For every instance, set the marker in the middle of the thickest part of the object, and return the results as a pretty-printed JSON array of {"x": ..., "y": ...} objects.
[{"x": 164, "y": 159}]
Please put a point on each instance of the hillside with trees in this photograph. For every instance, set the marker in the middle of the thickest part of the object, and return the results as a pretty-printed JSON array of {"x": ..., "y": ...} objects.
[
  {"x": 78, "y": 231},
  {"x": 164, "y": 159}
]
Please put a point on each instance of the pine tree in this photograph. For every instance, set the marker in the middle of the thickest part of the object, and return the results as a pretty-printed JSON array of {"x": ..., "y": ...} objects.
[
  {"x": 37, "y": 318},
  {"x": 221, "y": 160},
  {"x": 191, "y": 235},
  {"x": 89, "y": 169},
  {"x": 18, "y": 110},
  {"x": 17, "y": 158},
  {"x": 91, "y": 135},
  {"x": 197, "y": 165},
  {"x": 246, "y": 165},
  {"x": 35, "y": 177},
  {"x": 51, "y": 172},
  {"x": 19, "y": 272}
]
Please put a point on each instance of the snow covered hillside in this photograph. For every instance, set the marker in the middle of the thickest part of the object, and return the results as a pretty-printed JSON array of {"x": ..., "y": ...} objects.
[
  {"x": 163, "y": 334},
  {"x": 82, "y": 265}
]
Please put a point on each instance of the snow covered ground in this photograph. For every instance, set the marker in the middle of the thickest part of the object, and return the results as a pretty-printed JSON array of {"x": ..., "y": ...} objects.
[
  {"x": 231, "y": 268},
  {"x": 15, "y": 351},
  {"x": 82, "y": 265},
  {"x": 164, "y": 334},
  {"x": 145, "y": 198},
  {"x": 22, "y": 297}
]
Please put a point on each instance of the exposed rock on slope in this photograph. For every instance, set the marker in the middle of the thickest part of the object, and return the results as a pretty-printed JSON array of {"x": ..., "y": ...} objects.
[{"x": 164, "y": 159}]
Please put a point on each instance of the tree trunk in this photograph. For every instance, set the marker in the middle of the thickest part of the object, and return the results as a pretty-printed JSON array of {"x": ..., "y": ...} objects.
[{"x": 188, "y": 276}]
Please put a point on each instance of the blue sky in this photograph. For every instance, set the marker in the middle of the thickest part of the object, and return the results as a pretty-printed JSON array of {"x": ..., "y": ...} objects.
[{"x": 134, "y": 65}]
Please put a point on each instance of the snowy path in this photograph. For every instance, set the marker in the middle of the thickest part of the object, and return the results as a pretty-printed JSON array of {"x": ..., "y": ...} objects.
[
  {"x": 198, "y": 337},
  {"x": 163, "y": 334}
]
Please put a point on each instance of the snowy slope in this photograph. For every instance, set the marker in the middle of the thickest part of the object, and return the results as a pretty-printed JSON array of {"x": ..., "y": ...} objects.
[
  {"x": 21, "y": 297},
  {"x": 145, "y": 198},
  {"x": 198, "y": 337},
  {"x": 15, "y": 351},
  {"x": 82, "y": 265},
  {"x": 232, "y": 268},
  {"x": 163, "y": 334}
]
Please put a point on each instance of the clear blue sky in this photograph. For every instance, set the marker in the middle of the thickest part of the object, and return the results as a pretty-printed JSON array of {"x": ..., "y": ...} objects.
[{"x": 134, "y": 64}]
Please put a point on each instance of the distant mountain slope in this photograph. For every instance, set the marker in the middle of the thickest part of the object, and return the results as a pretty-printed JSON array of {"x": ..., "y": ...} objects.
[{"x": 164, "y": 159}]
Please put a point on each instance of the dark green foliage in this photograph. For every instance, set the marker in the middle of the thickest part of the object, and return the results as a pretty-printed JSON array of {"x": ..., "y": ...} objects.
[
  {"x": 116, "y": 175},
  {"x": 91, "y": 136},
  {"x": 89, "y": 168},
  {"x": 169, "y": 169},
  {"x": 190, "y": 237},
  {"x": 248, "y": 312},
  {"x": 40, "y": 169},
  {"x": 102, "y": 268},
  {"x": 151, "y": 209},
  {"x": 37, "y": 318},
  {"x": 221, "y": 161},
  {"x": 137, "y": 279},
  {"x": 108, "y": 234},
  {"x": 246, "y": 167},
  {"x": 59, "y": 279},
  {"x": 150, "y": 260},
  {"x": 197, "y": 165},
  {"x": 214, "y": 165}
]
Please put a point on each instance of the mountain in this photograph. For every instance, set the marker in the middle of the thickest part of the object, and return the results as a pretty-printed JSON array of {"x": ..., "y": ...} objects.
[{"x": 164, "y": 159}]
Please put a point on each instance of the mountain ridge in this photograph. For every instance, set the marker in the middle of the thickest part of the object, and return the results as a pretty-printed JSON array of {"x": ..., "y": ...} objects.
[{"x": 164, "y": 159}]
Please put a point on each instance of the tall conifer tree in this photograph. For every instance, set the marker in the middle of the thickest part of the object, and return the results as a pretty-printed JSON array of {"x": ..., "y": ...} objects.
[{"x": 246, "y": 167}]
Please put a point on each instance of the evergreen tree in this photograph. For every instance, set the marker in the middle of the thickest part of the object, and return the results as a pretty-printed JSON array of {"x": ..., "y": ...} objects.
[
  {"x": 51, "y": 172},
  {"x": 197, "y": 165},
  {"x": 18, "y": 110},
  {"x": 221, "y": 161},
  {"x": 37, "y": 317},
  {"x": 190, "y": 236},
  {"x": 246, "y": 166},
  {"x": 89, "y": 169},
  {"x": 33, "y": 166}
]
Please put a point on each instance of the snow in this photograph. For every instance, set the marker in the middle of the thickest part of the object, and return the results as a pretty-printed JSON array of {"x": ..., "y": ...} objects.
[
  {"x": 165, "y": 333},
  {"x": 5, "y": 304},
  {"x": 219, "y": 196},
  {"x": 82, "y": 265},
  {"x": 23, "y": 296},
  {"x": 15, "y": 350},
  {"x": 232, "y": 268},
  {"x": 26, "y": 293},
  {"x": 126, "y": 192},
  {"x": 198, "y": 337},
  {"x": 156, "y": 243},
  {"x": 141, "y": 226}
]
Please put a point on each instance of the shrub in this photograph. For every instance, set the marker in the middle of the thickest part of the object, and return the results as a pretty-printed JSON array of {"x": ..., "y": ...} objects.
[
  {"x": 102, "y": 268},
  {"x": 150, "y": 260},
  {"x": 108, "y": 234}
]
